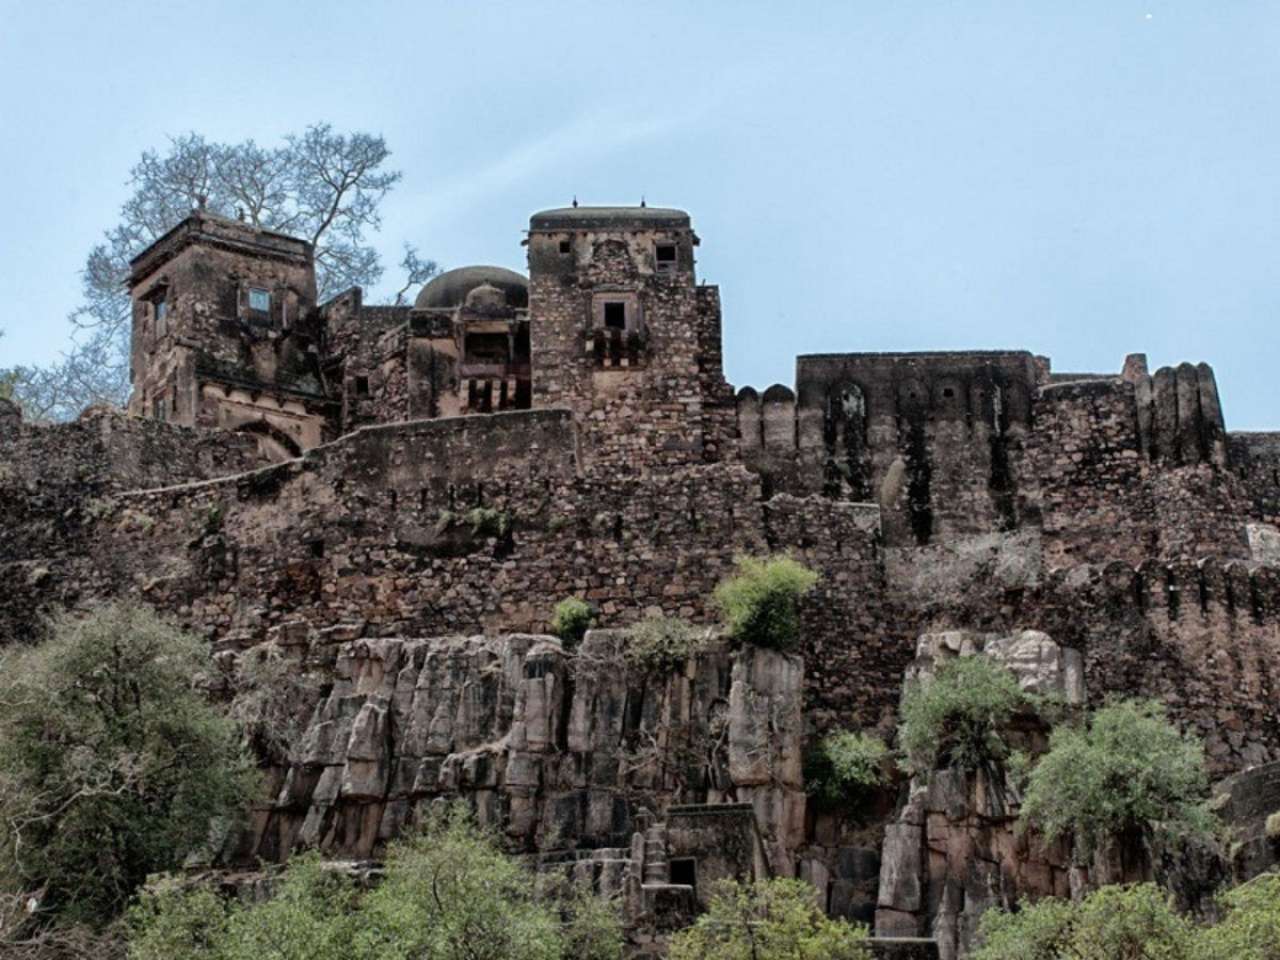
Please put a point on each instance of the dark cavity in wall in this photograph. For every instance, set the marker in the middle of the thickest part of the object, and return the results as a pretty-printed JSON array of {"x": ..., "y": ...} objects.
[
  {"x": 919, "y": 475},
  {"x": 844, "y": 436}
]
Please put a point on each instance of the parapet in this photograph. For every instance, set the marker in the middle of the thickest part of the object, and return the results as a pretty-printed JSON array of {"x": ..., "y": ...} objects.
[
  {"x": 609, "y": 218},
  {"x": 205, "y": 228}
]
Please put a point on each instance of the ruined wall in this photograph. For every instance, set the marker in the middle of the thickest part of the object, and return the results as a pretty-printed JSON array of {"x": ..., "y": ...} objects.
[
  {"x": 56, "y": 482},
  {"x": 1255, "y": 459},
  {"x": 935, "y": 438}
]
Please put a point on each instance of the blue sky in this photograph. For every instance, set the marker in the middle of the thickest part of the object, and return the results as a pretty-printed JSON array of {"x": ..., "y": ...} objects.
[{"x": 1081, "y": 179}]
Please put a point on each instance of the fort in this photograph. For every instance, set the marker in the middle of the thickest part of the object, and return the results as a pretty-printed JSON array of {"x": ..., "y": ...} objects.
[{"x": 301, "y": 473}]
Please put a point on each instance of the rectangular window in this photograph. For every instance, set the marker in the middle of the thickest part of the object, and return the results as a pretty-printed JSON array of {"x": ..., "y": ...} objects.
[
  {"x": 259, "y": 300},
  {"x": 615, "y": 315},
  {"x": 665, "y": 253},
  {"x": 362, "y": 386},
  {"x": 565, "y": 246},
  {"x": 162, "y": 310}
]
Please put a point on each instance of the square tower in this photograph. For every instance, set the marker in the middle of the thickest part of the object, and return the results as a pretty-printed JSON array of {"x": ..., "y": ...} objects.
[
  {"x": 621, "y": 334},
  {"x": 226, "y": 334}
]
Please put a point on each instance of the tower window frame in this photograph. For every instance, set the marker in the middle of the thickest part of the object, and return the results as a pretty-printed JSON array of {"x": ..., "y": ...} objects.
[
  {"x": 666, "y": 256},
  {"x": 615, "y": 315},
  {"x": 617, "y": 310},
  {"x": 259, "y": 300}
]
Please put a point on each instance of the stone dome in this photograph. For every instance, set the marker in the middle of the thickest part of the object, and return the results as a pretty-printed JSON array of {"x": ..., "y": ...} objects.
[{"x": 451, "y": 288}]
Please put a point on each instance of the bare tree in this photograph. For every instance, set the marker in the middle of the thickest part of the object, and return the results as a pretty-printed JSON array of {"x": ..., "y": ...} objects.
[
  {"x": 416, "y": 272},
  {"x": 320, "y": 185}
]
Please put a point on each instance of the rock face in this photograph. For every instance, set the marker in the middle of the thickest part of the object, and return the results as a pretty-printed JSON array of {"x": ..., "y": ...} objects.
[
  {"x": 1041, "y": 666},
  {"x": 564, "y": 752},
  {"x": 954, "y": 849}
]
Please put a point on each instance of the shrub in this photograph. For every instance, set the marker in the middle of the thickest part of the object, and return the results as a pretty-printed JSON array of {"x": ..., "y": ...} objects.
[
  {"x": 449, "y": 893},
  {"x": 482, "y": 521},
  {"x": 768, "y": 920},
  {"x": 113, "y": 765},
  {"x": 663, "y": 644},
  {"x": 309, "y": 916},
  {"x": 760, "y": 602},
  {"x": 844, "y": 767},
  {"x": 957, "y": 718},
  {"x": 1129, "y": 768},
  {"x": 1250, "y": 927},
  {"x": 1134, "y": 922},
  {"x": 571, "y": 619}
]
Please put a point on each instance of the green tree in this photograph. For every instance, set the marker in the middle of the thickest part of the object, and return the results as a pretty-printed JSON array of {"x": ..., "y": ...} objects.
[
  {"x": 570, "y": 620},
  {"x": 1136, "y": 922},
  {"x": 113, "y": 765},
  {"x": 1128, "y": 769},
  {"x": 844, "y": 767},
  {"x": 768, "y": 920},
  {"x": 450, "y": 893},
  {"x": 760, "y": 602},
  {"x": 958, "y": 717}
]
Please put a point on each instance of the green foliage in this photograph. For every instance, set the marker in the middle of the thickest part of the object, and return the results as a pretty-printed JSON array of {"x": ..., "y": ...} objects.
[
  {"x": 1135, "y": 922},
  {"x": 957, "y": 717},
  {"x": 663, "y": 644},
  {"x": 112, "y": 763},
  {"x": 592, "y": 927},
  {"x": 844, "y": 767},
  {"x": 570, "y": 620},
  {"x": 310, "y": 916},
  {"x": 449, "y": 893},
  {"x": 482, "y": 521},
  {"x": 1129, "y": 768},
  {"x": 760, "y": 603},
  {"x": 768, "y": 920},
  {"x": 1250, "y": 927}
]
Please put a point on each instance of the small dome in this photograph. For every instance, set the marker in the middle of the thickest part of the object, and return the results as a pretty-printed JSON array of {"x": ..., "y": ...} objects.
[
  {"x": 486, "y": 297},
  {"x": 450, "y": 289}
]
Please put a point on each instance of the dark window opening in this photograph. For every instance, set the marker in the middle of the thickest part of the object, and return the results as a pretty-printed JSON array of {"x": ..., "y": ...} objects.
[
  {"x": 685, "y": 872},
  {"x": 666, "y": 256},
  {"x": 524, "y": 395},
  {"x": 615, "y": 315},
  {"x": 948, "y": 392},
  {"x": 362, "y": 386},
  {"x": 565, "y": 246},
  {"x": 522, "y": 345},
  {"x": 316, "y": 548},
  {"x": 488, "y": 348}
]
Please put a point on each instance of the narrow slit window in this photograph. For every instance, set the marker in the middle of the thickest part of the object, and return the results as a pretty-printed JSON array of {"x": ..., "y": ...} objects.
[{"x": 615, "y": 315}]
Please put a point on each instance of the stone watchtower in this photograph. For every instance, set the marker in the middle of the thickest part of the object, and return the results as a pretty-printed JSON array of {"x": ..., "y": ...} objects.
[
  {"x": 225, "y": 333},
  {"x": 621, "y": 334}
]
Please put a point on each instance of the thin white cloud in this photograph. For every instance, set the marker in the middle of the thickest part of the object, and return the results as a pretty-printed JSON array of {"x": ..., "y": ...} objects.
[{"x": 591, "y": 136}]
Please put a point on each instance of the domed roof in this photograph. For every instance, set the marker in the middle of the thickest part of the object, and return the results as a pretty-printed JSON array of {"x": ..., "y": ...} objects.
[{"x": 450, "y": 289}]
